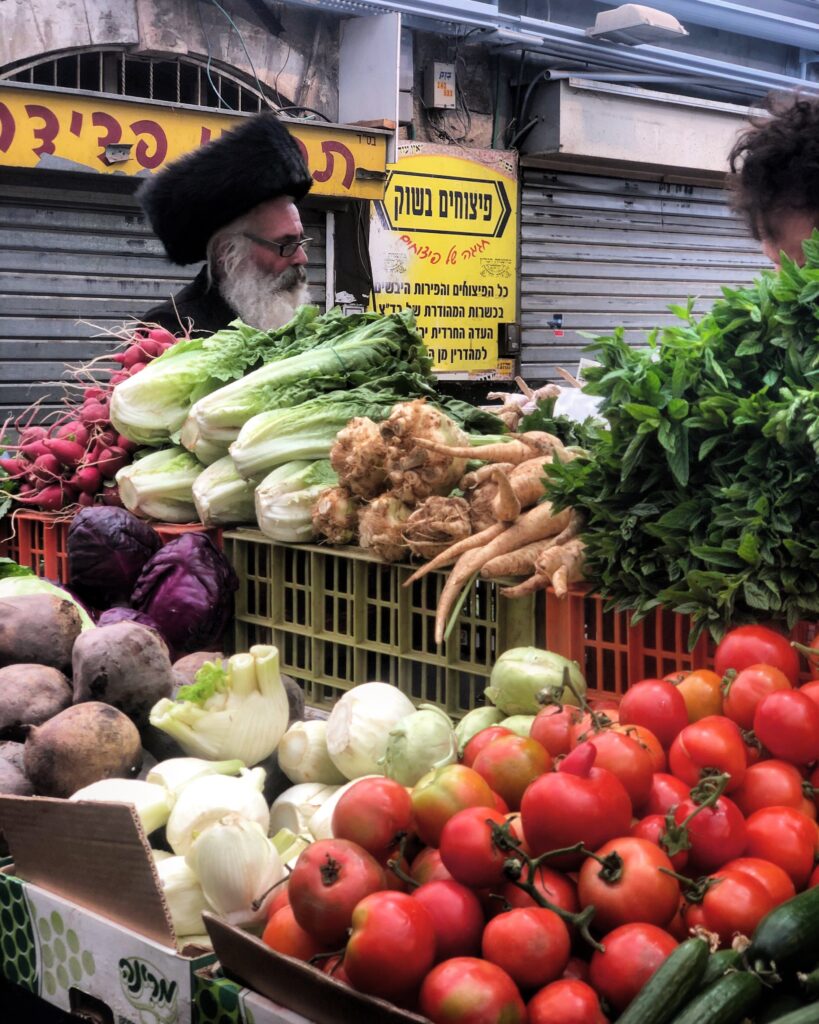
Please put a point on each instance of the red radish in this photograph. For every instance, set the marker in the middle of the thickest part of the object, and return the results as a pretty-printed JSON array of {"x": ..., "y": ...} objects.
[
  {"x": 125, "y": 444},
  {"x": 68, "y": 452},
  {"x": 132, "y": 354},
  {"x": 26, "y": 488},
  {"x": 88, "y": 480},
  {"x": 162, "y": 335},
  {"x": 93, "y": 413},
  {"x": 118, "y": 378},
  {"x": 14, "y": 467},
  {"x": 136, "y": 368},
  {"x": 110, "y": 496},
  {"x": 50, "y": 499},
  {"x": 46, "y": 467},
  {"x": 111, "y": 461},
  {"x": 119, "y": 357},
  {"x": 31, "y": 434},
  {"x": 107, "y": 438},
  {"x": 151, "y": 348},
  {"x": 34, "y": 450},
  {"x": 85, "y": 498},
  {"x": 93, "y": 394},
  {"x": 74, "y": 430}
]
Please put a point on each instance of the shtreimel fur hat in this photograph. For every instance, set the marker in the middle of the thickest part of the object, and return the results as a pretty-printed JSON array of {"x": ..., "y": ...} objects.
[{"x": 195, "y": 196}]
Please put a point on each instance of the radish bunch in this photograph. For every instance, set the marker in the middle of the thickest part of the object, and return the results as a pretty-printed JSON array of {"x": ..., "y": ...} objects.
[{"x": 74, "y": 461}]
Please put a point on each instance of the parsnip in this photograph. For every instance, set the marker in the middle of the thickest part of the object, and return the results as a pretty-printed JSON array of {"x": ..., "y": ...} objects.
[
  {"x": 520, "y": 562},
  {"x": 505, "y": 504},
  {"x": 456, "y": 550},
  {"x": 471, "y": 480},
  {"x": 563, "y": 565}
]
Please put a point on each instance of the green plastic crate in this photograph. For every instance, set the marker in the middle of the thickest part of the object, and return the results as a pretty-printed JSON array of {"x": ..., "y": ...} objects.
[{"x": 341, "y": 617}]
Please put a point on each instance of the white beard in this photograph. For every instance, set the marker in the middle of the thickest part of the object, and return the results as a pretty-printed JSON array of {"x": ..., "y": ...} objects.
[{"x": 263, "y": 301}]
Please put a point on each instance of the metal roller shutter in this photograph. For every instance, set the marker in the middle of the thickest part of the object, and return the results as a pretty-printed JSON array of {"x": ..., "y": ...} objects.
[
  {"x": 77, "y": 258},
  {"x": 602, "y": 252}
]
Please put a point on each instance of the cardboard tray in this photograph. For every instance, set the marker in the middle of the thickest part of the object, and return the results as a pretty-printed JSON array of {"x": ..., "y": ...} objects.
[{"x": 296, "y": 985}]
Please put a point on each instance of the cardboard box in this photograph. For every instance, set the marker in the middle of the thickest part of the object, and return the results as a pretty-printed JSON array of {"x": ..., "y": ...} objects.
[
  {"x": 218, "y": 1000},
  {"x": 83, "y": 921},
  {"x": 285, "y": 983}
]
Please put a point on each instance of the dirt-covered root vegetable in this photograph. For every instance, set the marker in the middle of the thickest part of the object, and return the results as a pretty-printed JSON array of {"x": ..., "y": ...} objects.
[
  {"x": 381, "y": 527},
  {"x": 414, "y": 471},
  {"x": 125, "y": 665},
  {"x": 38, "y": 628},
  {"x": 30, "y": 695},
  {"x": 81, "y": 745},
  {"x": 436, "y": 524},
  {"x": 185, "y": 669},
  {"x": 335, "y": 515},
  {"x": 357, "y": 456},
  {"x": 558, "y": 566},
  {"x": 13, "y": 778}
]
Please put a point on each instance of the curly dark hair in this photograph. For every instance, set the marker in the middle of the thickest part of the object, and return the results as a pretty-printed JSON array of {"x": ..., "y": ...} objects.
[{"x": 775, "y": 163}]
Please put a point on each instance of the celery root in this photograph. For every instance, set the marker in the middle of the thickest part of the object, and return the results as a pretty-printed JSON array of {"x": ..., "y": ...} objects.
[
  {"x": 537, "y": 523},
  {"x": 453, "y": 553}
]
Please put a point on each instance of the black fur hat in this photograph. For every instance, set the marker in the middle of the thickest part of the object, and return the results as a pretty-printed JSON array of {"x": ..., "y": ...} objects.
[{"x": 190, "y": 200}]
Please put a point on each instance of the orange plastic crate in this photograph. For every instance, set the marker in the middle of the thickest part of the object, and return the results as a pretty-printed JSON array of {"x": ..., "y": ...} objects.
[
  {"x": 613, "y": 654},
  {"x": 39, "y": 540}
]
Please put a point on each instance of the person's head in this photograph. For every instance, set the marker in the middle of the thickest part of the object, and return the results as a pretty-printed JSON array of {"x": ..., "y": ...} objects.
[
  {"x": 258, "y": 262},
  {"x": 775, "y": 176},
  {"x": 246, "y": 182}
]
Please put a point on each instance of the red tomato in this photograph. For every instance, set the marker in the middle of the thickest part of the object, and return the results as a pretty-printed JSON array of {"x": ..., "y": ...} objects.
[
  {"x": 702, "y": 693},
  {"x": 666, "y": 792},
  {"x": 531, "y": 944},
  {"x": 814, "y": 878},
  {"x": 374, "y": 813},
  {"x": 756, "y": 645},
  {"x": 785, "y": 837},
  {"x": 629, "y": 885},
  {"x": 280, "y": 899},
  {"x": 734, "y": 904},
  {"x": 656, "y": 704},
  {"x": 457, "y": 918},
  {"x": 626, "y": 759},
  {"x": 769, "y": 784},
  {"x": 576, "y": 803},
  {"x": 428, "y": 867},
  {"x": 586, "y": 727},
  {"x": 714, "y": 742},
  {"x": 811, "y": 688},
  {"x": 467, "y": 849},
  {"x": 334, "y": 966},
  {"x": 284, "y": 934},
  {"x": 330, "y": 877},
  {"x": 442, "y": 793},
  {"x": 746, "y": 690},
  {"x": 480, "y": 740},
  {"x": 808, "y": 807},
  {"x": 771, "y": 876},
  {"x": 646, "y": 738},
  {"x": 653, "y": 829},
  {"x": 577, "y": 969},
  {"x": 556, "y": 887},
  {"x": 466, "y": 990},
  {"x": 552, "y": 725},
  {"x": 716, "y": 833},
  {"x": 787, "y": 724},
  {"x": 632, "y": 954},
  {"x": 510, "y": 763},
  {"x": 568, "y": 1001},
  {"x": 392, "y": 945}
]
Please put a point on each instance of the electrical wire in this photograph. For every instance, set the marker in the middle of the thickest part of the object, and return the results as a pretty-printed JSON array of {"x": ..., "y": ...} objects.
[
  {"x": 310, "y": 110},
  {"x": 236, "y": 29},
  {"x": 222, "y": 101}
]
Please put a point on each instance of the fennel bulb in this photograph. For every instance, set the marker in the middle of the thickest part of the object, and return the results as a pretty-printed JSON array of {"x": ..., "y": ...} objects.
[
  {"x": 520, "y": 674},
  {"x": 519, "y": 724},
  {"x": 303, "y": 755},
  {"x": 294, "y": 808},
  {"x": 285, "y": 499},
  {"x": 359, "y": 726},
  {"x": 210, "y": 798},
  {"x": 418, "y": 743},
  {"x": 475, "y": 720},
  {"x": 240, "y": 711},
  {"x": 237, "y": 867},
  {"x": 183, "y": 894},
  {"x": 160, "y": 485},
  {"x": 152, "y": 803},
  {"x": 222, "y": 496},
  {"x": 176, "y": 772}
]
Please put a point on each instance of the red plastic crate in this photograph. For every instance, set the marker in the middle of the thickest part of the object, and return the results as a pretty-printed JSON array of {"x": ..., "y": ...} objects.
[
  {"x": 39, "y": 540},
  {"x": 614, "y": 654}
]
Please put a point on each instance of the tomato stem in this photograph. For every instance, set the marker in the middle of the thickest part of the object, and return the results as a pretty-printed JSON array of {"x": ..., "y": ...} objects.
[
  {"x": 257, "y": 903},
  {"x": 706, "y": 793},
  {"x": 394, "y": 863},
  {"x": 330, "y": 871}
]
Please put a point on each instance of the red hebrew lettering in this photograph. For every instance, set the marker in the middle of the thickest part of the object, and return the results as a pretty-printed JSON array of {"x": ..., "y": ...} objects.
[
  {"x": 160, "y": 150},
  {"x": 7, "y": 128},
  {"x": 329, "y": 148},
  {"x": 111, "y": 134},
  {"x": 48, "y": 133}
]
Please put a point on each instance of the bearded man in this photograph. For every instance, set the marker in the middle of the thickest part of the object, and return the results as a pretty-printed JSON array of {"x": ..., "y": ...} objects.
[{"x": 232, "y": 203}]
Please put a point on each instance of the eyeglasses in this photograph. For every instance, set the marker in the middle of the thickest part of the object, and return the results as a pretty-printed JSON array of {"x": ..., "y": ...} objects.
[{"x": 284, "y": 249}]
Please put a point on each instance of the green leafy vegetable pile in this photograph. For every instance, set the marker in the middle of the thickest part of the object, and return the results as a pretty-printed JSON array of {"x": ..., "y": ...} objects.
[{"x": 704, "y": 494}]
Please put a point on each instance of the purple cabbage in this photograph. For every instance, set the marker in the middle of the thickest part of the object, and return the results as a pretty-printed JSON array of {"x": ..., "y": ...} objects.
[
  {"x": 120, "y": 614},
  {"x": 187, "y": 588},
  {"x": 107, "y": 550}
]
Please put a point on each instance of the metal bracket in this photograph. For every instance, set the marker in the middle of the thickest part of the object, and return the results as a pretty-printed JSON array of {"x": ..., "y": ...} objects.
[
  {"x": 363, "y": 174},
  {"x": 118, "y": 153}
]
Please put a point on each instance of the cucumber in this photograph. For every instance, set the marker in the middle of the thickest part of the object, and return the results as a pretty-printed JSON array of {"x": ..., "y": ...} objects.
[
  {"x": 725, "y": 1001},
  {"x": 809, "y": 984},
  {"x": 787, "y": 938},
  {"x": 669, "y": 986},
  {"x": 776, "y": 1005},
  {"x": 718, "y": 963},
  {"x": 804, "y": 1015}
]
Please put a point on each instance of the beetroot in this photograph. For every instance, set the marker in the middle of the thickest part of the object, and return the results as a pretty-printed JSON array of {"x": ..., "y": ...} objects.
[
  {"x": 69, "y": 453},
  {"x": 46, "y": 467},
  {"x": 111, "y": 462}
]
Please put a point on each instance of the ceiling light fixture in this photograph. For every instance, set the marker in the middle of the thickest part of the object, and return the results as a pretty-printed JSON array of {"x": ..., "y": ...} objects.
[{"x": 635, "y": 24}]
